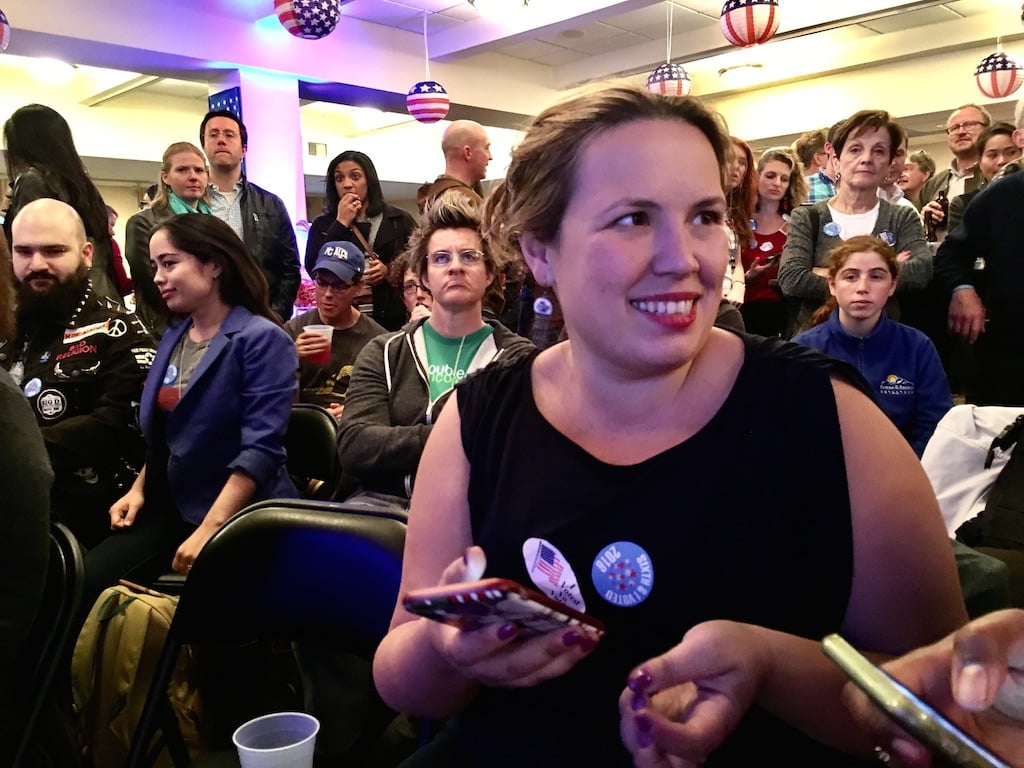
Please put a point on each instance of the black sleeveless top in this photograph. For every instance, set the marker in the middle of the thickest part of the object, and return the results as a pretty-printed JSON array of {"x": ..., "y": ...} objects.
[{"x": 660, "y": 546}]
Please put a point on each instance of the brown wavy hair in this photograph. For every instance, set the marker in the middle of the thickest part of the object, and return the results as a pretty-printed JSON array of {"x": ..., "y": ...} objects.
[{"x": 839, "y": 256}]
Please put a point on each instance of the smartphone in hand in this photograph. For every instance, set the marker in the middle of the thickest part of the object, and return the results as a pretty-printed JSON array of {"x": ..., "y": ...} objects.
[
  {"x": 908, "y": 710},
  {"x": 475, "y": 604}
]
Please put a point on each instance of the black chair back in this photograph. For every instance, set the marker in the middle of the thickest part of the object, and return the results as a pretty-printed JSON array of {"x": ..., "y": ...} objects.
[
  {"x": 51, "y": 632},
  {"x": 312, "y": 445},
  {"x": 285, "y": 570}
]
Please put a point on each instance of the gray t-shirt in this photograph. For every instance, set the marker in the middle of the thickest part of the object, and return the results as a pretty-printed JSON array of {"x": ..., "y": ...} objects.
[{"x": 326, "y": 384}]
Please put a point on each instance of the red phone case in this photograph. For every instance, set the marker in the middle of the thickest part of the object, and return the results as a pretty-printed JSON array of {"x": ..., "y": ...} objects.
[{"x": 475, "y": 604}]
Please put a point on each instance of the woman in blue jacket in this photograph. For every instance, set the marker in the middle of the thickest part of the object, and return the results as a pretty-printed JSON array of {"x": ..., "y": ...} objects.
[
  {"x": 215, "y": 406},
  {"x": 899, "y": 362}
]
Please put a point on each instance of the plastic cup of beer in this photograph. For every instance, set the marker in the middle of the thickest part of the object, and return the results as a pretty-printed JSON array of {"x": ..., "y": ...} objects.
[
  {"x": 321, "y": 358},
  {"x": 278, "y": 740}
]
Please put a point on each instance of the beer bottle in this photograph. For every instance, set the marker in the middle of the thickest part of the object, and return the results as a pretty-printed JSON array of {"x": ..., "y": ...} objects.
[{"x": 931, "y": 227}]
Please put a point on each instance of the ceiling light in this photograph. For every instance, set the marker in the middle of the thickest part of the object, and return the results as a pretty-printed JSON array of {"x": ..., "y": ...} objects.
[
  {"x": 497, "y": 7},
  {"x": 740, "y": 75},
  {"x": 51, "y": 71}
]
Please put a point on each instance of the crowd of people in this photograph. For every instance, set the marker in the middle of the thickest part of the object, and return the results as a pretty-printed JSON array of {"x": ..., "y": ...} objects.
[{"x": 787, "y": 308}]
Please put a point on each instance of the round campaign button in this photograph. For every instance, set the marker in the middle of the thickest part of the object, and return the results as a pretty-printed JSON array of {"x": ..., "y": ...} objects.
[
  {"x": 172, "y": 374},
  {"x": 623, "y": 574},
  {"x": 832, "y": 229},
  {"x": 766, "y": 247},
  {"x": 32, "y": 387}
]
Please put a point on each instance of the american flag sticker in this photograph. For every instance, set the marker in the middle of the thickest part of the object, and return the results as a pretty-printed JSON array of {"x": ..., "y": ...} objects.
[{"x": 551, "y": 573}]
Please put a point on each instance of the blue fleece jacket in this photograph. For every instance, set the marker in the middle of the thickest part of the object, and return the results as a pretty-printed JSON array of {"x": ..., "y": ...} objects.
[{"x": 902, "y": 367}]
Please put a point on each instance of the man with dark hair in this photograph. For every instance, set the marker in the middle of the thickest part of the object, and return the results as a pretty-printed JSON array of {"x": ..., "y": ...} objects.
[
  {"x": 80, "y": 359},
  {"x": 258, "y": 217},
  {"x": 338, "y": 274}
]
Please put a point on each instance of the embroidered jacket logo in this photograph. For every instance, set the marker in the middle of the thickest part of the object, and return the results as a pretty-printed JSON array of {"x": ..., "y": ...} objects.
[{"x": 896, "y": 385}]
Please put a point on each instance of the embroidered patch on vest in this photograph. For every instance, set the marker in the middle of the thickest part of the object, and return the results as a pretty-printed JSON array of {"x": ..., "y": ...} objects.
[
  {"x": 551, "y": 573},
  {"x": 623, "y": 574}
]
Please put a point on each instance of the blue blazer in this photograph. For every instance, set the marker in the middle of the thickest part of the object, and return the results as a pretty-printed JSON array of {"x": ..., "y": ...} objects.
[{"x": 232, "y": 414}]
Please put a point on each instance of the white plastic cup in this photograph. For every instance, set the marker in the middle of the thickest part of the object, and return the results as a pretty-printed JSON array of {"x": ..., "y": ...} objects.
[
  {"x": 326, "y": 331},
  {"x": 278, "y": 740}
]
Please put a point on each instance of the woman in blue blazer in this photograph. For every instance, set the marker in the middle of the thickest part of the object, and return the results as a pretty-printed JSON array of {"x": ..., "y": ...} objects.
[{"x": 215, "y": 405}]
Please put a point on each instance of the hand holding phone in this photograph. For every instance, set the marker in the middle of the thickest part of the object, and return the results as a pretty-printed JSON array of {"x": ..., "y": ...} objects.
[
  {"x": 476, "y": 604},
  {"x": 908, "y": 710}
]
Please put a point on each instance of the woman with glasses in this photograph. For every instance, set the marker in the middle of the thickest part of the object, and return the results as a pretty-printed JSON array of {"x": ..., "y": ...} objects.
[
  {"x": 401, "y": 380},
  {"x": 355, "y": 212},
  {"x": 415, "y": 295},
  {"x": 865, "y": 146},
  {"x": 184, "y": 178},
  {"x": 325, "y": 364}
]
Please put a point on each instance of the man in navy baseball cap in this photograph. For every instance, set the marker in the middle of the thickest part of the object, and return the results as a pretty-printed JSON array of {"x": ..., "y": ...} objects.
[{"x": 326, "y": 364}]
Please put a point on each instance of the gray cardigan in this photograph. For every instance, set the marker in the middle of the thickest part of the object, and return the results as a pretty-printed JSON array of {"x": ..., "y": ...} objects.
[
  {"x": 807, "y": 246},
  {"x": 388, "y": 414}
]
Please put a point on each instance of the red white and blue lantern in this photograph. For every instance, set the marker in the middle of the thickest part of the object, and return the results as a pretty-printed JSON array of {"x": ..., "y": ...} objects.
[
  {"x": 998, "y": 76},
  {"x": 428, "y": 101},
  {"x": 669, "y": 80},
  {"x": 750, "y": 22},
  {"x": 308, "y": 19},
  {"x": 5, "y": 32}
]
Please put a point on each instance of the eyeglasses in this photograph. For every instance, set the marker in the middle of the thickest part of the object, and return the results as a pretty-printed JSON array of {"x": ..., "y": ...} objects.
[
  {"x": 410, "y": 288},
  {"x": 444, "y": 258},
  {"x": 324, "y": 285},
  {"x": 227, "y": 135},
  {"x": 967, "y": 125}
]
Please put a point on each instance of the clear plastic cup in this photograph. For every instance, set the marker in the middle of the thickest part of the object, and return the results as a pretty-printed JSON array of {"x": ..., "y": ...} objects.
[
  {"x": 321, "y": 358},
  {"x": 278, "y": 740}
]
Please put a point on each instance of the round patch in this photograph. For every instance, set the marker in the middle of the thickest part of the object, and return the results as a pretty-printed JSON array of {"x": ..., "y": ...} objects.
[
  {"x": 51, "y": 404},
  {"x": 889, "y": 238},
  {"x": 766, "y": 247},
  {"x": 172, "y": 374},
  {"x": 32, "y": 387},
  {"x": 45, "y": 357},
  {"x": 623, "y": 574},
  {"x": 543, "y": 306},
  {"x": 831, "y": 229}
]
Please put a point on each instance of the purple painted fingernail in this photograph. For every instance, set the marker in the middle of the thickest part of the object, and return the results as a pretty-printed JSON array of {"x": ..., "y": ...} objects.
[
  {"x": 643, "y": 724},
  {"x": 639, "y": 681},
  {"x": 639, "y": 702},
  {"x": 571, "y": 637},
  {"x": 507, "y": 631}
]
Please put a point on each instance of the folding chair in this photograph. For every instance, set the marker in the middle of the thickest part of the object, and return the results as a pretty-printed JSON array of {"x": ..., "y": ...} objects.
[
  {"x": 312, "y": 445},
  {"x": 282, "y": 570},
  {"x": 51, "y": 632}
]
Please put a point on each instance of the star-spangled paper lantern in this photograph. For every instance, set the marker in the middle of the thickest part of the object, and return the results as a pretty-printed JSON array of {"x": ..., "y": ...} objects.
[
  {"x": 669, "y": 80},
  {"x": 308, "y": 19},
  {"x": 428, "y": 101},
  {"x": 5, "y": 32},
  {"x": 750, "y": 22},
  {"x": 998, "y": 76}
]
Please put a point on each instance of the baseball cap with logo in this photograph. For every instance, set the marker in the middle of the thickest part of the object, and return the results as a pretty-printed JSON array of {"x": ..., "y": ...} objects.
[{"x": 344, "y": 260}]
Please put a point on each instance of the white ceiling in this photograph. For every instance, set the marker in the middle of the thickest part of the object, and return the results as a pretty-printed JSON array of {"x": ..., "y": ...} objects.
[{"x": 587, "y": 40}]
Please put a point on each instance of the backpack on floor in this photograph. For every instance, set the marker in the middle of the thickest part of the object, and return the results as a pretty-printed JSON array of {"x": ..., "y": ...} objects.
[{"x": 113, "y": 664}]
